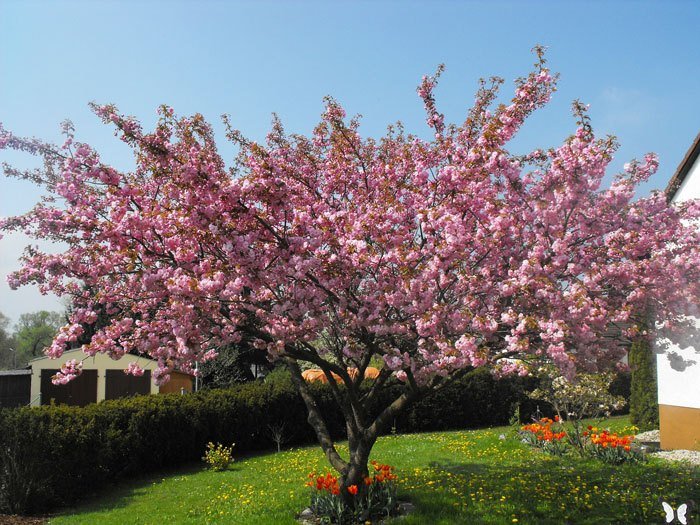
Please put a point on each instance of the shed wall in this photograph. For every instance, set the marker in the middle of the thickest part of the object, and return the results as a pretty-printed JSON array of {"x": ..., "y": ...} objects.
[{"x": 15, "y": 390}]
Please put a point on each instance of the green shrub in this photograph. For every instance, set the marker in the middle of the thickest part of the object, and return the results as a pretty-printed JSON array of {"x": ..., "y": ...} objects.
[
  {"x": 621, "y": 386},
  {"x": 218, "y": 457},
  {"x": 476, "y": 400},
  {"x": 644, "y": 407}
]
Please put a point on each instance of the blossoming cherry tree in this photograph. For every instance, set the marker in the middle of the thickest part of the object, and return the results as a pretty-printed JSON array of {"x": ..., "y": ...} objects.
[{"x": 424, "y": 258}]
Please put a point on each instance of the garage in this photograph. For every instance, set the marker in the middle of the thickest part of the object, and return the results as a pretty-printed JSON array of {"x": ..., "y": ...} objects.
[{"x": 102, "y": 378}]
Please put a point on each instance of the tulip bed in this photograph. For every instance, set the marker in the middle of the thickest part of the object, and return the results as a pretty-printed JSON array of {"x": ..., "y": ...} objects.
[
  {"x": 550, "y": 436},
  {"x": 478, "y": 476}
]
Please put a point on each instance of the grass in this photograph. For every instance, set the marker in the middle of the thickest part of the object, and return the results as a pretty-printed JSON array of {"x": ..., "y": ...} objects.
[{"x": 451, "y": 477}]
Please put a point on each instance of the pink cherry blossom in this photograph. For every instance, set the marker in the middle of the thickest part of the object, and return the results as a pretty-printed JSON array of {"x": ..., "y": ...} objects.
[
  {"x": 69, "y": 371},
  {"x": 134, "y": 369}
]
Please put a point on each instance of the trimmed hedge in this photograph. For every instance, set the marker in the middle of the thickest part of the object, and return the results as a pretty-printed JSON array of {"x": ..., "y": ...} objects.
[
  {"x": 644, "y": 405},
  {"x": 53, "y": 455}
]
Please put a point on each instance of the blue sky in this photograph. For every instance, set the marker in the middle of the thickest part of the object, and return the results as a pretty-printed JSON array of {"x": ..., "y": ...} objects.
[{"x": 635, "y": 63}]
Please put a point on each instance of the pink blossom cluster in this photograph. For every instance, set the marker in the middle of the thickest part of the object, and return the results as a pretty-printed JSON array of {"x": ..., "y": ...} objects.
[
  {"x": 433, "y": 256},
  {"x": 134, "y": 369},
  {"x": 69, "y": 371}
]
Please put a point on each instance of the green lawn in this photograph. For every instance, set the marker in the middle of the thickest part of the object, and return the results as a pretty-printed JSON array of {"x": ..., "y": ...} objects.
[{"x": 452, "y": 477}]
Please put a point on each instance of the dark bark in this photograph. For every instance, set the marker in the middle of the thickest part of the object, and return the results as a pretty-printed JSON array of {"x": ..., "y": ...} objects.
[
  {"x": 357, "y": 469},
  {"x": 315, "y": 418}
]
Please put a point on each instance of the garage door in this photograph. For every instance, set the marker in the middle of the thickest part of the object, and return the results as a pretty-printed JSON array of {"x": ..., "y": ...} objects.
[
  {"x": 79, "y": 392},
  {"x": 118, "y": 384}
]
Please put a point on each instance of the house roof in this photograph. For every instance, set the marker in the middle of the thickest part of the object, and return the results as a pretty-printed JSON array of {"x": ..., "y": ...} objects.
[
  {"x": 683, "y": 169},
  {"x": 69, "y": 354},
  {"x": 19, "y": 372},
  {"x": 99, "y": 360}
]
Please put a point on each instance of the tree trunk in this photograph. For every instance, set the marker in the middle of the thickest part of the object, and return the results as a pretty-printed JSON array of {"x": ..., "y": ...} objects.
[
  {"x": 357, "y": 469},
  {"x": 315, "y": 419}
]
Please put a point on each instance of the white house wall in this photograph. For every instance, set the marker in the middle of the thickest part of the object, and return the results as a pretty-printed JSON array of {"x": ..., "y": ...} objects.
[
  {"x": 678, "y": 387},
  {"x": 682, "y": 388},
  {"x": 690, "y": 188}
]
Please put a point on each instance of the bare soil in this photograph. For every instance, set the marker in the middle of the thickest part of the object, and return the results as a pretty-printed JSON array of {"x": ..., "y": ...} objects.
[{"x": 6, "y": 519}]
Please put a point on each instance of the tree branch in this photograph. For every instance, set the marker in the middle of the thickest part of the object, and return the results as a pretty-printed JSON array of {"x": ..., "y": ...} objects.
[{"x": 315, "y": 417}]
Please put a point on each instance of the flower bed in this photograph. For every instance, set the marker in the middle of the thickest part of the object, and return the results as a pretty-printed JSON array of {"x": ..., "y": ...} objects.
[
  {"x": 375, "y": 497},
  {"x": 541, "y": 435},
  {"x": 611, "y": 447},
  {"x": 550, "y": 436}
]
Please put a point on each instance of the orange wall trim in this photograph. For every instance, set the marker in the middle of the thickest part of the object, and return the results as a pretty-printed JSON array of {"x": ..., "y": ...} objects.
[
  {"x": 177, "y": 382},
  {"x": 680, "y": 427}
]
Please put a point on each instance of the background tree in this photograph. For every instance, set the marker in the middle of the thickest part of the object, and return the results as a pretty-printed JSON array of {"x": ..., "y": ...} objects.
[
  {"x": 34, "y": 333},
  {"x": 432, "y": 257},
  {"x": 8, "y": 356},
  {"x": 233, "y": 364}
]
